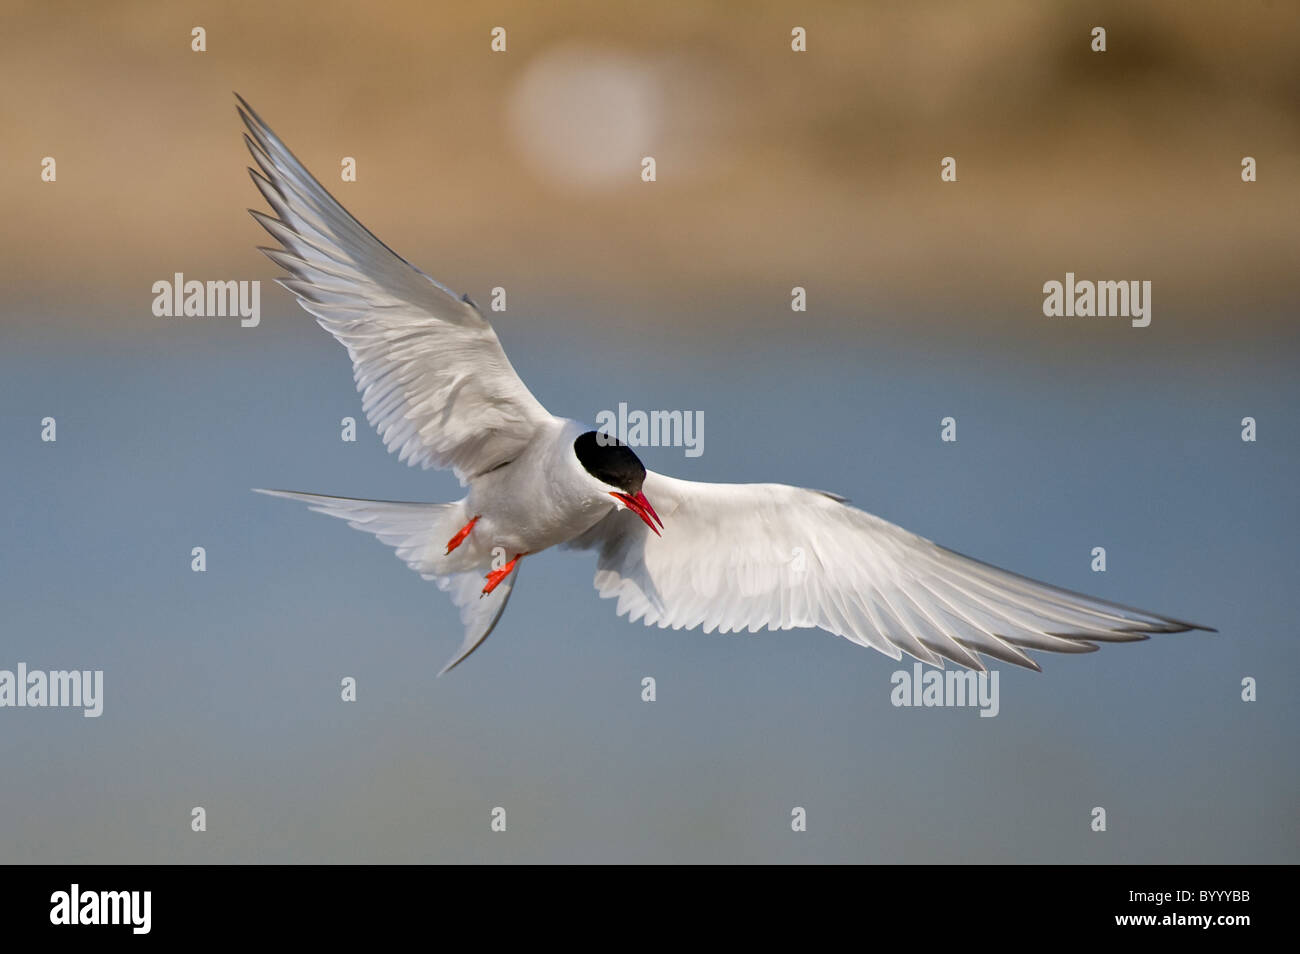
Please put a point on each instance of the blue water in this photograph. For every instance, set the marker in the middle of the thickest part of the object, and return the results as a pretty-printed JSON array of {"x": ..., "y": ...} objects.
[{"x": 222, "y": 688}]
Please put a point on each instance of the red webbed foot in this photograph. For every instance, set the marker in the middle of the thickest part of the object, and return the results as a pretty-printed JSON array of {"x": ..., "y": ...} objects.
[
  {"x": 460, "y": 536},
  {"x": 495, "y": 577}
]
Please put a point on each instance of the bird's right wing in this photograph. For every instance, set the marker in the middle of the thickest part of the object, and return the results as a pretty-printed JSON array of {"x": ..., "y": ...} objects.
[
  {"x": 434, "y": 380},
  {"x": 749, "y": 556}
]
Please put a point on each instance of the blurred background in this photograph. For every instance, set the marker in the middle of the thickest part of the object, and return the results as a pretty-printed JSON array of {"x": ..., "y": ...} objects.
[{"x": 774, "y": 169}]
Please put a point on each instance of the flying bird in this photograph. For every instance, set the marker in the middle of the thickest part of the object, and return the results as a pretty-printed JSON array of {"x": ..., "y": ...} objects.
[{"x": 437, "y": 386}]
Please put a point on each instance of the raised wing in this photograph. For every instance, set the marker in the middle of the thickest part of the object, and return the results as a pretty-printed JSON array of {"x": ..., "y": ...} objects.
[
  {"x": 749, "y": 556},
  {"x": 434, "y": 380}
]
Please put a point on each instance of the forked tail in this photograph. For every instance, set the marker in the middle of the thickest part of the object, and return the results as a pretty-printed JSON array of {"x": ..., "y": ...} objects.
[{"x": 419, "y": 532}]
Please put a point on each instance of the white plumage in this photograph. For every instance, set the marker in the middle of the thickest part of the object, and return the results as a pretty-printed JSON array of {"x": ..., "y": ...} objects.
[
  {"x": 768, "y": 556},
  {"x": 439, "y": 389},
  {"x": 434, "y": 381}
]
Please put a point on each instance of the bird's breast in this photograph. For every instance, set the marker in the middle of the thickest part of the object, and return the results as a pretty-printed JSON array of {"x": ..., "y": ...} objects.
[{"x": 527, "y": 516}]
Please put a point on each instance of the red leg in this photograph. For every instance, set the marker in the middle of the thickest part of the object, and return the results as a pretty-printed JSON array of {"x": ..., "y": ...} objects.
[
  {"x": 460, "y": 536},
  {"x": 495, "y": 577}
]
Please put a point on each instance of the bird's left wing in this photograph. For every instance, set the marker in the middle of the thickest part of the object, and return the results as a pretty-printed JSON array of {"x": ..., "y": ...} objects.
[
  {"x": 434, "y": 379},
  {"x": 749, "y": 556}
]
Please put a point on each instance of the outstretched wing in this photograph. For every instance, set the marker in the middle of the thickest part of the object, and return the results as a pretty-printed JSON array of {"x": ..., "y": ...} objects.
[
  {"x": 434, "y": 380},
  {"x": 749, "y": 556}
]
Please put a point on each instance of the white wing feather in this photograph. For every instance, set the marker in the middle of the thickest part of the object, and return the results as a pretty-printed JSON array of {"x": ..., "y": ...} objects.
[
  {"x": 434, "y": 380},
  {"x": 747, "y": 556}
]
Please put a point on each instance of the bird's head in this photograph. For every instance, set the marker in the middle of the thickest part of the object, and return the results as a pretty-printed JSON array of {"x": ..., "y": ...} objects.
[{"x": 613, "y": 464}]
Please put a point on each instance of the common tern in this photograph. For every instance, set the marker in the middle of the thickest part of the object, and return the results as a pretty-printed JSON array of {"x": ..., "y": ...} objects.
[{"x": 437, "y": 386}]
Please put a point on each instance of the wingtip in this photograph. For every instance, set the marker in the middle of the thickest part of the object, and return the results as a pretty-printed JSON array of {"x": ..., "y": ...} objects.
[
  {"x": 1183, "y": 626},
  {"x": 244, "y": 108},
  {"x": 274, "y": 493},
  {"x": 262, "y": 139}
]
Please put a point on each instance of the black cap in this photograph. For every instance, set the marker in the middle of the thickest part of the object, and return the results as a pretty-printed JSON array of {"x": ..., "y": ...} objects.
[{"x": 611, "y": 461}]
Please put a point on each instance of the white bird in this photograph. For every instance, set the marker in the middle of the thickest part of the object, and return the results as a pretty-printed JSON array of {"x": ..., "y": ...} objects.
[{"x": 439, "y": 389}]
